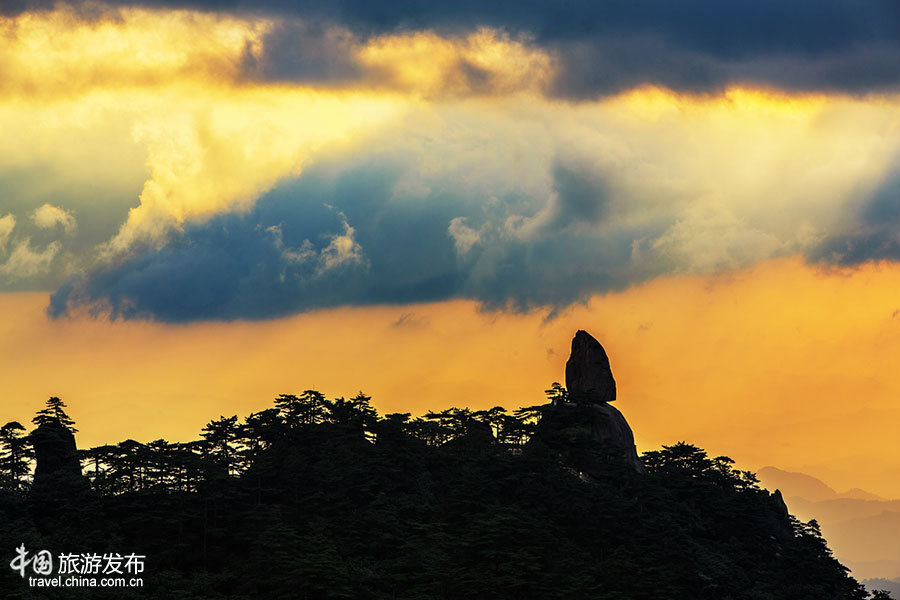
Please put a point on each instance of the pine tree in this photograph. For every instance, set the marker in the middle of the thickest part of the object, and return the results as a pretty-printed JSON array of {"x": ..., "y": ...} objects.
[
  {"x": 221, "y": 434},
  {"x": 15, "y": 454},
  {"x": 54, "y": 411}
]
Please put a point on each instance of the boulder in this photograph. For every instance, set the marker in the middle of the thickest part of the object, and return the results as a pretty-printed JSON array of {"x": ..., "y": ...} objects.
[
  {"x": 589, "y": 432},
  {"x": 589, "y": 379},
  {"x": 595, "y": 433}
]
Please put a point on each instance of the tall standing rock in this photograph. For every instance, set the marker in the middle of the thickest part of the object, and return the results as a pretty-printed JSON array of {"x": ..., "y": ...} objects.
[
  {"x": 54, "y": 451},
  {"x": 589, "y": 379},
  {"x": 588, "y": 430},
  {"x": 57, "y": 473}
]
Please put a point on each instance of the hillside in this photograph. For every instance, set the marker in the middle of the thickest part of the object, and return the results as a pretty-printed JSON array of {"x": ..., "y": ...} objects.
[
  {"x": 794, "y": 484},
  {"x": 801, "y": 485},
  {"x": 319, "y": 498},
  {"x": 892, "y": 585},
  {"x": 862, "y": 529}
]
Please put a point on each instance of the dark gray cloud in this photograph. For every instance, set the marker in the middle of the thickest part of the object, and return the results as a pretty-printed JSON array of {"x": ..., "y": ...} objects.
[
  {"x": 873, "y": 236},
  {"x": 884, "y": 207},
  {"x": 289, "y": 254},
  {"x": 301, "y": 51},
  {"x": 864, "y": 245},
  {"x": 372, "y": 230},
  {"x": 580, "y": 197},
  {"x": 727, "y": 29},
  {"x": 604, "y": 46},
  {"x": 226, "y": 269},
  {"x": 15, "y": 7}
]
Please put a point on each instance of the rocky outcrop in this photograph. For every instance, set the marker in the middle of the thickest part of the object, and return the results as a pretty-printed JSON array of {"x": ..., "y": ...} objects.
[
  {"x": 780, "y": 505},
  {"x": 589, "y": 379},
  {"x": 57, "y": 473},
  {"x": 596, "y": 433},
  {"x": 54, "y": 450},
  {"x": 589, "y": 432}
]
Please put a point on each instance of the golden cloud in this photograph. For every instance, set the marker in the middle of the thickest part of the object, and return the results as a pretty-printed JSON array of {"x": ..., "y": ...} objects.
[{"x": 159, "y": 100}]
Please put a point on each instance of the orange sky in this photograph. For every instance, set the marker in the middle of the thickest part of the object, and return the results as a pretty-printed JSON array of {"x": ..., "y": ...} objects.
[
  {"x": 123, "y": 130},
  {"x": 778, "y": 364}
]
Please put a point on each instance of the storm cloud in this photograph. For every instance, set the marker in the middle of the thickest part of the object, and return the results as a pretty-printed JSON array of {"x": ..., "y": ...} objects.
[
  {"x": 599, "y": 48},
  {"x": 277, "y": 157},
  {"x": 348, "y": 238},
  {"x": 872, "y": 235},
  {"x": 357, "y": 235},
  {"x": 518, "y": 207}
]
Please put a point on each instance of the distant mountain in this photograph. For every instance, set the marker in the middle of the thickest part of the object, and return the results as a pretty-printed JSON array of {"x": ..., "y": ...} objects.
[
  {"x": 889, "y": 585},
  {"x": 862, "y": 529},
  {"x": 873, "y": 569},
  {"x": 806, "y": 486},
  {"x": 795, "y": 484},
  {"x": 858, "y": 494},
  {"x": 869, "y": 539},
  {"x": 840, "y": 510}
]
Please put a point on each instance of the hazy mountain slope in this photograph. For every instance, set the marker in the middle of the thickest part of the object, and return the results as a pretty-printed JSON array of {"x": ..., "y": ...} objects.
[
  {"x": 874, "y": 569},
  {"x": 859, "y": 494},
  {"x": 840, "y": 509},
  {"x": 892, "y": 585},
  {"x": 795, "y": 484},
  {"x": 862, "y": 529},
  {"x": 868, "y": 539}
]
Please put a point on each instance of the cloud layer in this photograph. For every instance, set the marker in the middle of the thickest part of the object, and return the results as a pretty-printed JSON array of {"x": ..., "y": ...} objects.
[
  {"x": 249, "y": 161},
  {"x": 872, "y": 234},
  {"x": 7, "y": 224},
  {"x": 598, "y": 48},
  {"x": 519, "y": 206}
]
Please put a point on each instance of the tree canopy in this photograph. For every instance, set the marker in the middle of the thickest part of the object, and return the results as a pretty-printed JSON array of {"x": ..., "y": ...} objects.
[
  {"x": 323, "y": 498},
  {"x": 54, "y": 411}
]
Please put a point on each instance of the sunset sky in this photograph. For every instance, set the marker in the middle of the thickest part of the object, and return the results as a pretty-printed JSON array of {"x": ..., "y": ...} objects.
[{"x": 206, "y": 203}]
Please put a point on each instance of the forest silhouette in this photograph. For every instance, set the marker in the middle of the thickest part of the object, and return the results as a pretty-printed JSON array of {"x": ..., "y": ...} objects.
[{"x": 324, "y": 498}]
